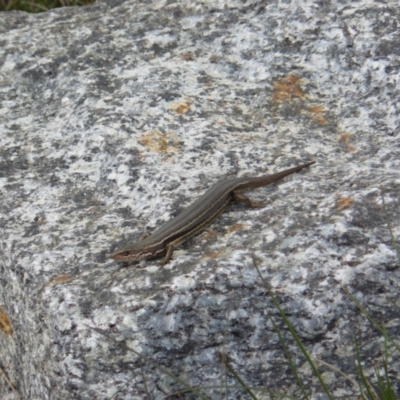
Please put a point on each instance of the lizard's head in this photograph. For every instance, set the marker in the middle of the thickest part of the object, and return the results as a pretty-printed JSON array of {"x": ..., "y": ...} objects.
[{"x": 136, "y": 252}]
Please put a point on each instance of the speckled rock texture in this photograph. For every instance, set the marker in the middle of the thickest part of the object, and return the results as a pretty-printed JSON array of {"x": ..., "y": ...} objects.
[{"x": 114, "y": 117}]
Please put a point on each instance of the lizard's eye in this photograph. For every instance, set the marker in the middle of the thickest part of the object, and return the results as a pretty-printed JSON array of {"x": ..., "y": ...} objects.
[{"x": 124, "y": 254}]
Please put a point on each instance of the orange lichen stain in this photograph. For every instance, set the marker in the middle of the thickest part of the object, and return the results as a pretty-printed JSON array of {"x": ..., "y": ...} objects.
[
  {"x": 214, "y": 254},
  {"x": 209, "y": 235},
  {"x": 343, "y": 203},
  {"x": 235, "y": 228},
  {"x": 154, "y": 141},
  {"x": 286, "y": 89},
  {"x": 159, "y": 142},
  {"x": 317, "y": 113},
  {"x": 59, "y": 279},
  {"x": 181, "y": 107},
  {"x": 189, "y": 56},
  {"x": 345, "y": 137},
  {"x": 94, "y": 209},
  {"x": 5, "y": 325}
]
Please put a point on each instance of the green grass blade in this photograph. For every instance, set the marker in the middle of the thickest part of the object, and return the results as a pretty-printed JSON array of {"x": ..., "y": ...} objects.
[
  {"x": 236, "y": 376},
  {"x": 380, "y": 328},
  {"x": 361, "y": 375},
  {"x": 295, "y": 336},
  {"x": 289, "y": 358},
  {"x": 384, "y": 384}
]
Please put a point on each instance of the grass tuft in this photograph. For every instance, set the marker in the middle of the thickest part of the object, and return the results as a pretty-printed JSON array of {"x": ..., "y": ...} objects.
[{"x": 37, "y": 6}]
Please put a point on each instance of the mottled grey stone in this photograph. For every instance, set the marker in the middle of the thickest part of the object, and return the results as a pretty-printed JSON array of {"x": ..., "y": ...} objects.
[{"x": 115, "y": 116}]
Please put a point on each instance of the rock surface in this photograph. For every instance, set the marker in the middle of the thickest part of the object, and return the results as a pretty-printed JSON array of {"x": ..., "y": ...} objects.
[{"x": 114, "y": 117}]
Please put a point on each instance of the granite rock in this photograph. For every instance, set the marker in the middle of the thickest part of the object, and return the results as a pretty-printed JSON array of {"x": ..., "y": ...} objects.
[{"x": 113, "y": 117}]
